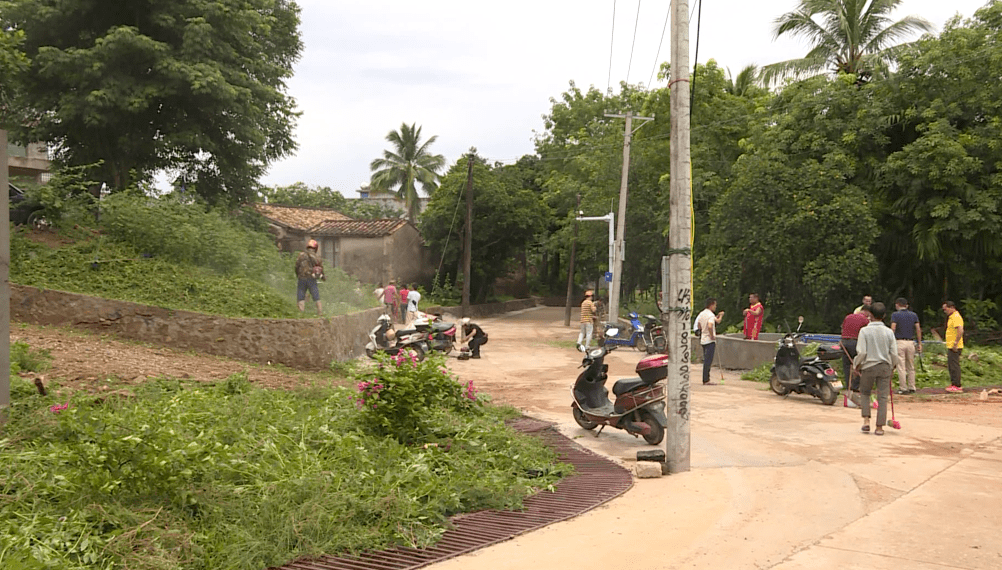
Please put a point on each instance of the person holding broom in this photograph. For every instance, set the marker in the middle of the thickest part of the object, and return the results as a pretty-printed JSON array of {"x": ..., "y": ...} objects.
[{"x": 876, "y": 359}]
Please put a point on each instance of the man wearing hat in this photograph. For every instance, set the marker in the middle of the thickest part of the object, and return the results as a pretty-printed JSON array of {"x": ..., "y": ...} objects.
[
  {"x": 587, "y": 324},
  {"x": 309, "y": 268}
]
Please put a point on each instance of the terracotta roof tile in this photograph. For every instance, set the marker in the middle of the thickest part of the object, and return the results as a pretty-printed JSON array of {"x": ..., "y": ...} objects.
[
  {"x": 357, "y": 228},
  {"x": 298, "y": 218}
]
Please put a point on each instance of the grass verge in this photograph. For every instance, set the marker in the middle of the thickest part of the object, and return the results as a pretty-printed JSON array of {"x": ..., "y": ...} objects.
[{"x": 196, "y": 476}]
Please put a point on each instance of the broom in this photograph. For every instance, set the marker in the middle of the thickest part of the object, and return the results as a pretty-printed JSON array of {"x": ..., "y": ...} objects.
[{"x": 893, "y": 423}]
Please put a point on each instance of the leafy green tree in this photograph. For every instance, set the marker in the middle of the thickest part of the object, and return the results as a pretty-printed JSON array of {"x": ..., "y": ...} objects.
[
  {"x": 195, "y": 87},
  {"x": 304, "y": 196},
  {"x": 846, "y": 36},
  {"x": 12, "y": 63},
  {"x": 409, "y": 162},
  {"x": 506, "y": 219}
]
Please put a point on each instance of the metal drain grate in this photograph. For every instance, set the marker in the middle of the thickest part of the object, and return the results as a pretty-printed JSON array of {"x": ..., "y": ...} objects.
[{"x": 596, "y": 480}]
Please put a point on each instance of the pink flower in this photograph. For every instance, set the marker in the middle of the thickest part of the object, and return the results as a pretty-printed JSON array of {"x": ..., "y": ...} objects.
[{"x": 58, "y": 408}]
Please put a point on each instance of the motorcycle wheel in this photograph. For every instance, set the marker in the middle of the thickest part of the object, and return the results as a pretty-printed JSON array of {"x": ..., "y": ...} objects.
[
  {"x": 828, "y": 394},
  {"x": 417, "y": 349},
  {"x": 777, "y": 387},
  {"x": 657, "y": 432},
  {"x": 370, "y": 353},
  {"x": 661, "y": 344},
  {"x": 448, "y": 349},
  {"x": 641, "y": 345},
  {"x": 583, "y": 421}
]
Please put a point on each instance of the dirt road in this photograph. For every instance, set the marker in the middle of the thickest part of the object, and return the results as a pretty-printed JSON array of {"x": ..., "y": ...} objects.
[{"x": 775, "y": 483}]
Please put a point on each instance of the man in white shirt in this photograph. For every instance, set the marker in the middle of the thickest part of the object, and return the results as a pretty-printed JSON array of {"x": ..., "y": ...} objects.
[
  {"x": 413, "y": 298},
  {"x": 876, "y": 359},
  {"x": 706, "y": 324}
]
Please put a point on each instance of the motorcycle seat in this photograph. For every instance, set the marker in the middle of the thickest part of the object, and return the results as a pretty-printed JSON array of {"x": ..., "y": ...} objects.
[
  {"x": 439, "y": 326},
  {"x": 627, "y": 385}
]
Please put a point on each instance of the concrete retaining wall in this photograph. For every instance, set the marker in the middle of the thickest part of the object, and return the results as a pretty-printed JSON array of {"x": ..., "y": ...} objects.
[
  {"x": 300, "y": 343},
  {"x": 735, "y": 353}
]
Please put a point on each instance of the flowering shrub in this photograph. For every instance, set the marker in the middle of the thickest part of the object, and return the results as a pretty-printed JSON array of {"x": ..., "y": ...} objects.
[{"x": 401, "y": 396}]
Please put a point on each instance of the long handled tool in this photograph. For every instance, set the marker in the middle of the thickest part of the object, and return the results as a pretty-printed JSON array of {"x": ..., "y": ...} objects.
[{"x": 893, "y": 423}]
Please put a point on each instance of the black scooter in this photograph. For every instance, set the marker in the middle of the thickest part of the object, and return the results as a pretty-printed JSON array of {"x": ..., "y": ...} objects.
[
  {"x": 812, "y": 375},
  {"x": 640, "y": 402}
]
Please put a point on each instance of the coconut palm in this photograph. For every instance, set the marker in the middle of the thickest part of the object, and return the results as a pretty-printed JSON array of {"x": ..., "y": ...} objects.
[
  {"x": 745, "y": 83},
  {"x": 407, "y": 164},
  {"x": 848, "y": 36}
]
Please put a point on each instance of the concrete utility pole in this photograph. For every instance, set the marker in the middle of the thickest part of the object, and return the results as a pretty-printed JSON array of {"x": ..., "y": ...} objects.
[
  {"x": 570, "y": 268},
  {"x": 468, "y": 241},
  {"x": 4, "y": 283},
  {"x": 620, "y": 245},
  {"x": 676, "y": 268}
]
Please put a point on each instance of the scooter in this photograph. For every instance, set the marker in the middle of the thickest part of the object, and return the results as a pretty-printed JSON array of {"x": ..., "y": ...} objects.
[
  {"x": 648, "y": 337},
  {"x": 640, "y": 402},
  {"x": 439, "y": 335},
  {"x": 383, "y": 338},
  {"x": 812, "y": 375}
]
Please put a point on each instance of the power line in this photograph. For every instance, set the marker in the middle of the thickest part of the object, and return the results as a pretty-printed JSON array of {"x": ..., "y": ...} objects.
[
  {"x": 612, "y": 40},
  {"x": 658, "y": 56},
  {"x": 632, "y": 45},
  {"x": 695, "y": 61}
]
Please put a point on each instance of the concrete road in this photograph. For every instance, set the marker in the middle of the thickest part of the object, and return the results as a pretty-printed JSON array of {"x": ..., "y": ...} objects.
[{"x": 783, "y": 483}]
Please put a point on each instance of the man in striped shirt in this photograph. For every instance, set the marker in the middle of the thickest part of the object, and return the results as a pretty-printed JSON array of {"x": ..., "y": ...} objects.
[{"x": 587, "y": 325}]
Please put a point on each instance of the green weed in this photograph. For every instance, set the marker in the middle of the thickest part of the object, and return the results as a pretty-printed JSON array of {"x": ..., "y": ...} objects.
[
  {"x": 191, "y": 476},
  {"x": 23, "y": 358}
]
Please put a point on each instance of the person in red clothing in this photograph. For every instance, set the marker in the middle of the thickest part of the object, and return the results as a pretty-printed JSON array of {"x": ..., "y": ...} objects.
[
  {"x": 403, "y": 302},
  {"x": 851, "y": 325},
  {"x": 754, "y": 315}
]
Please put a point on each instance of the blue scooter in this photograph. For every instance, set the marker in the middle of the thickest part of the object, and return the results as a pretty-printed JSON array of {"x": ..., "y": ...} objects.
[{"x": 649, "y": 337}]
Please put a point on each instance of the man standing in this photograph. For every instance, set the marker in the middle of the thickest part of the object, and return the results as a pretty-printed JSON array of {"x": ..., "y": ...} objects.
[
  {"x": 390, "y": 299},
  {"x": 876, "y": 358},
  {"x": 954, "y": 344},
  {"x": 413, "y": 298},
  {"x": 309, "y": 267},
  {"x": 587, "y": 325},
  {"x": 754, "y": 315},
  {"x": 851, "y": 325},
  {"x": 404, "y": 292},
  {"x": 867, "y": 301},
  {"x": 707, "y": 323},
  {"x": 905, "y": 324}
]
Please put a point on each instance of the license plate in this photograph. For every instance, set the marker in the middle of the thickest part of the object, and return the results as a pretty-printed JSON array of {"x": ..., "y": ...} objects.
[{"x": 836, "y": 384}]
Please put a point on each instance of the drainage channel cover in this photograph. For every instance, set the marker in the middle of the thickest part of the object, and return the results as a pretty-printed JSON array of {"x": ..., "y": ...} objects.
[{"x": 596, "y": 481}]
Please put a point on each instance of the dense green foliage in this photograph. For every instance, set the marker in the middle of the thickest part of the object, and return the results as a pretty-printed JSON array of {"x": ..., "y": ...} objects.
[
  {"x": 507, "y": 217},
  {"x": 812, "y": 196},
  {"x": 195, "y": 476},
  {"x": 409, "y": 163},
  {"x": 304, "y": 196},
  {"x": 167, "y": 253},
  {"x": 192, "y": 87}
]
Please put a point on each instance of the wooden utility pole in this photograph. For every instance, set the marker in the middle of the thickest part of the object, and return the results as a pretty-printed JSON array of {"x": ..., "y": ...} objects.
[
  {"x": 468, "y": 241},
  {"x": 4, "y": 283},
  {"x": 570, "y": 267},
  {"x": 676, "y": 268},
  {"x": 619, "y": 250}
]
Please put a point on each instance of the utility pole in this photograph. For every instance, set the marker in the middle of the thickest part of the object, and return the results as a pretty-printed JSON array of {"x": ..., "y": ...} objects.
[
  {"x": 468, "y": 241},
  {"x": 570, "y": 268},
  {"x": 676, "y": 268},
  {"x": 4, "y": 283},
  {"x": 619, "y": 252}
]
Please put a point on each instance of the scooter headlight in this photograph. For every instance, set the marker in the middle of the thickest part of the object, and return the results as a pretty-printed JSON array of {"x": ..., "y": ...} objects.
[{"x": 820, "y": 376}]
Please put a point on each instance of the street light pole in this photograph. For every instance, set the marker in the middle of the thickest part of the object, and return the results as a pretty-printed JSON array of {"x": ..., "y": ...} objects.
[{"x": 611, "y": 218}]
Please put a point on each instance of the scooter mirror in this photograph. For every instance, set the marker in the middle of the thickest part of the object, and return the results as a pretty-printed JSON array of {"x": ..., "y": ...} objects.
[{"x": 611, "y": 332}]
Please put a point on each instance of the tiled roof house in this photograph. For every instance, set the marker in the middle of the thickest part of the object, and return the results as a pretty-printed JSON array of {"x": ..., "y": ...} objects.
[{"x": 374, "y": 251}]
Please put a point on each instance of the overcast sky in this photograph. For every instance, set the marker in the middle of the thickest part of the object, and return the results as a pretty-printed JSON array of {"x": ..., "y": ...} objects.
[{"x": 482, "y": 73}]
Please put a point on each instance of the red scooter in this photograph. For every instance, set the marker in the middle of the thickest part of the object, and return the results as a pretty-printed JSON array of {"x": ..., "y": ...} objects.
[{"x": 640, "y": 402}]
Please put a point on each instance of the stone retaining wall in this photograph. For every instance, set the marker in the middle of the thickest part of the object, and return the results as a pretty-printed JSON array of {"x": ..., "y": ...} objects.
[
  {"x": 487, "y": 309},
  {"x": 300, "y": 343}
]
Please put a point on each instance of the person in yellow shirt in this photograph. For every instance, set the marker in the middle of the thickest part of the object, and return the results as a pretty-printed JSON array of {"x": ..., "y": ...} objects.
[
  {"x": 587, "y": 325},
  {"x": 954, "y": 344}
]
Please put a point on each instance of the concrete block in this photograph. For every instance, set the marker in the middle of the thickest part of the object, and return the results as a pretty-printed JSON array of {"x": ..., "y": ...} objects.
[{"x": 648, "y": 470}]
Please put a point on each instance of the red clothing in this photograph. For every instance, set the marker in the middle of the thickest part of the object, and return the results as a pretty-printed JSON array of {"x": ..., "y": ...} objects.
[
  {"x": 852, "y": 324},
  {"x": 390, "y": 295},
  {"x": 753, "y": 322},
  {"x": 403, "y": 295}
]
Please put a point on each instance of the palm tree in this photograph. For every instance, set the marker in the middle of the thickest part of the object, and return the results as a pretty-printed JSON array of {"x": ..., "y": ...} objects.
[
  {"x": 744, "y": 83},
  {"x": 848, "y": 36},
  {"x": 407, "y": 164}
]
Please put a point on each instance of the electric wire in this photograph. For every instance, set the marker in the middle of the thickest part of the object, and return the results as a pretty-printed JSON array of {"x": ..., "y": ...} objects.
[
  {"x": 448, "y": 236},
  {"x": 612, "y": 42},
  {"x": 695, "y": 61},
  {"x": 634, "y": 43},
  {"x": 660, "y": 43}
]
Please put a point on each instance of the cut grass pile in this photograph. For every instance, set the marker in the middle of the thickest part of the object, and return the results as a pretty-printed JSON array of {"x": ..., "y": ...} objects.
[{"x": 193, "y": 476}]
